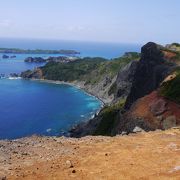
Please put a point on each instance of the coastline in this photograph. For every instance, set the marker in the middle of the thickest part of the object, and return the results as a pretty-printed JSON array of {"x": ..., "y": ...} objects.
[
  {"x": 77, "y": 127},
  {"x": 74, "y": 84}
]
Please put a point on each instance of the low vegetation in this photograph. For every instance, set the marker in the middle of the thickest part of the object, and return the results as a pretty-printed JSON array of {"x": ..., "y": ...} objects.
[
  {"x": 71, "y": 71},
  {"x": 171, "y": 89}
]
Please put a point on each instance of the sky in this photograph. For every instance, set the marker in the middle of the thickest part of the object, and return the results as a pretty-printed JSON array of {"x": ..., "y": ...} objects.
[{"x": 119, "y": 21}]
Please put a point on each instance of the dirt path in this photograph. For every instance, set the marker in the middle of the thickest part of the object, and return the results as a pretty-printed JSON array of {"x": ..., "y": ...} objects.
[{"x": 154, "y": 155}]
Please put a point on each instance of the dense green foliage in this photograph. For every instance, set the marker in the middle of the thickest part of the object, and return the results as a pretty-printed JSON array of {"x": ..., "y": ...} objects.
[
  {"x": 171, "y": 89},
  {"x": 176, "y": 44},
  {"x": 75, "y": 70},
  {"x": 109, "y": 118},
  {"x": 90, "y": 70},
  {"x": 177, "y": 57}
]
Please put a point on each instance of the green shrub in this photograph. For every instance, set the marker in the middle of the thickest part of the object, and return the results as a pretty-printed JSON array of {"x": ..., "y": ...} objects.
[
  {"x": 109, "y": 117},
  {"x": 171, "y": 89}
]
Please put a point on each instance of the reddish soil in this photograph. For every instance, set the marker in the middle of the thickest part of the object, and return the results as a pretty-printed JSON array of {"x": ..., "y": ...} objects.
[{"x": 153, "y": 155}]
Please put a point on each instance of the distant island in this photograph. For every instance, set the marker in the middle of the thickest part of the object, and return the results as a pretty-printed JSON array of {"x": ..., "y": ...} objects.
[
  {"x": 38, "y": 51},
  {"x": 61, "y": 59}
]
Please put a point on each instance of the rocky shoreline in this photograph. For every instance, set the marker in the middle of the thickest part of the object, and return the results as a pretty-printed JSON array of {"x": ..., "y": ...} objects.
[{"x": 78, "y": 85}]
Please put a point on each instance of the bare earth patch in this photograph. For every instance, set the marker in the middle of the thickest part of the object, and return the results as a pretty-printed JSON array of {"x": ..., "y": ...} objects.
[{"x": 153, "y": 155}]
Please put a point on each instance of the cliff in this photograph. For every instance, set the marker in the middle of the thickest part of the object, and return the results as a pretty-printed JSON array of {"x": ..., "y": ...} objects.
[
  {"x": 134, "y": 99},
  {"x": 151, "y": 71},
  {"x": 126, "y": 85}
]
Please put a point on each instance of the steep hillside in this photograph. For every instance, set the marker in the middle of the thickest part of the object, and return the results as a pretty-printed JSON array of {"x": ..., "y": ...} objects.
[
  {"x": 95, "y": 75},
  {"x": 134, "y": 81},
  {"x": 129, "y": 88}
]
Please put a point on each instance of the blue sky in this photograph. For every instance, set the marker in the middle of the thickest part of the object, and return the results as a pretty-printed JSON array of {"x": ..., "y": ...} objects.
[{"x": 130, "y": 21}]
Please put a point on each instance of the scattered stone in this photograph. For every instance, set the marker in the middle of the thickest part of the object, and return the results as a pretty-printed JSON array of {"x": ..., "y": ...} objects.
[
  {"x": 25, "y": 154},
  {"x": 137, "y": 129},
  {"x": 172, "y": 146},
  {"x": 124, "y": 133},
  {"x": 74, "y": 171},
  {"x": 177, "y": 168},
  {"x": 3, "y": 178},
  {"x": 69, "y": 164}
]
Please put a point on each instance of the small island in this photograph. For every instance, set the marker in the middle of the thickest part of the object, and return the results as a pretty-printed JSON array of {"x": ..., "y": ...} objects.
[
  {"x": 7, "y": 57},
  {"x": 62, "y": 59},
  {"x": 37, "y": 51}
]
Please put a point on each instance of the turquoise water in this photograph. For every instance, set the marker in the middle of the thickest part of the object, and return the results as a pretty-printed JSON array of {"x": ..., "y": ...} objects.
[{"x": 30, "y": 107}]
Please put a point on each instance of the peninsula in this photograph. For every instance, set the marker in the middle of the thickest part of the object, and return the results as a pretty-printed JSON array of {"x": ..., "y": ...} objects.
[
  {"x": 38, "y": 51},
  {"x": 141, "y": 91}
]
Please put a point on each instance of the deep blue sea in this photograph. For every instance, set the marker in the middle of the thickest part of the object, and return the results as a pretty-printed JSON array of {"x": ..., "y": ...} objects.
[{"x": 31, "y": 107}]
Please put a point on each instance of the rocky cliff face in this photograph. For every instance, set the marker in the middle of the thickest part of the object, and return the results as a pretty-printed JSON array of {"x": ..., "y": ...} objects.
[
  {"x": 35, "y": 74},
  {"x": 148, "y": 113},
  {"x": 130, "y": 98},
  {"x": 144, "y": 108},
  {"x": 124, "y": 80},
  {"x": 151, "y": 70}
]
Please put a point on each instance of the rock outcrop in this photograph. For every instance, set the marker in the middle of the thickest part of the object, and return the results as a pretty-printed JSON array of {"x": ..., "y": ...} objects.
[
  {"x": 35, "y": 74},
  {"x": 150, "y": 112},
  {"x": 151, "y": 71},
  {"x": 144, "y": 108},
  {"x": 5, "y": 56}
]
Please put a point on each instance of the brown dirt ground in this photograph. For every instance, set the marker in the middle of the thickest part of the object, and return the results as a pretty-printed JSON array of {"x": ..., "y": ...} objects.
[{"x": 153, "y": 155}]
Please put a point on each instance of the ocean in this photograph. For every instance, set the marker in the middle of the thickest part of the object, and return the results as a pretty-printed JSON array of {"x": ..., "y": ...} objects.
[{"x": 31, "y": 107}]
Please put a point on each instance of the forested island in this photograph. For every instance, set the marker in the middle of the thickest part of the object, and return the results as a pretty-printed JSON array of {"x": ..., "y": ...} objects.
[{"x": 38, "y": 51}]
